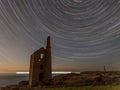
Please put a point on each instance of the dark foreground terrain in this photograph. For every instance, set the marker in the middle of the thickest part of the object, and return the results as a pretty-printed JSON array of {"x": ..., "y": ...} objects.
[
  {"x": 88, "y": 78},
  {"x": 84, "y": 81}
]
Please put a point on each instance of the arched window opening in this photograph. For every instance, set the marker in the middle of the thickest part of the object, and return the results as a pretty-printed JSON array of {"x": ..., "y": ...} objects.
[{"x": 41, "y": 56}]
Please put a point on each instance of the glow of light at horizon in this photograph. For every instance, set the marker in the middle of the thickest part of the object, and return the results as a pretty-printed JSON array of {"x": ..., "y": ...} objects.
[{"x": 58, "y": 72}]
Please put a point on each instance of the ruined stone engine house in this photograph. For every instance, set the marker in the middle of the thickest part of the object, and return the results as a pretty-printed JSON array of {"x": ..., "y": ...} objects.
[{"x": 40, "y": 66}]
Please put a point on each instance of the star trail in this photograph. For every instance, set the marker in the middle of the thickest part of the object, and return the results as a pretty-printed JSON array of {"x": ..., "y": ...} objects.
[{"x": 85, "y": 34}]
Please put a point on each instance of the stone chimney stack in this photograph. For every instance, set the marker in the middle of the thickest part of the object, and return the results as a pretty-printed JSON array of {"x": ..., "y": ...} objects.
[
  {"x": 48, "y": 67},
  {"x": 48, "y": 46}
]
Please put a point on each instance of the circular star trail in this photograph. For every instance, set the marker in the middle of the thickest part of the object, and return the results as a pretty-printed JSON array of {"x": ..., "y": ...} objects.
[{"x": 79, "y": 29}]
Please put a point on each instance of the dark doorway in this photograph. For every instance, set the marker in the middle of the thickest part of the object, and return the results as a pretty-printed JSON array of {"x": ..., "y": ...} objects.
[
  {"x": 40, "y": 76},
  {"x": 41, "y": 67}
]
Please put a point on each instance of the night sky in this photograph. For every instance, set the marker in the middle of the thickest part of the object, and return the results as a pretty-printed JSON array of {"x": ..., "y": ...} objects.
[{"x": 85, "y": 34}]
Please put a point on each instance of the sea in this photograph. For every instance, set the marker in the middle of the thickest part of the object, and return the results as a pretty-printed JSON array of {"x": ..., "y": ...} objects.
[{"x": 12, "y": 78}]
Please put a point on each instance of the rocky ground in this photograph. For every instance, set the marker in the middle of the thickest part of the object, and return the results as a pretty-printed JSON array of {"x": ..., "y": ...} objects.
[
  {"x": 88, "y": 78},
  {"x": 67, "y": 80}
]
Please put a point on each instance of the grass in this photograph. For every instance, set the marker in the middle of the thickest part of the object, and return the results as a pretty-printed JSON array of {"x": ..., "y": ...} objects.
[{"x": 105, "y": 87}]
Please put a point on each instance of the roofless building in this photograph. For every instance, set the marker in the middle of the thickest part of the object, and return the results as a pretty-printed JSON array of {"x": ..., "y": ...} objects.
[{"x": 40, "y": 66}]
